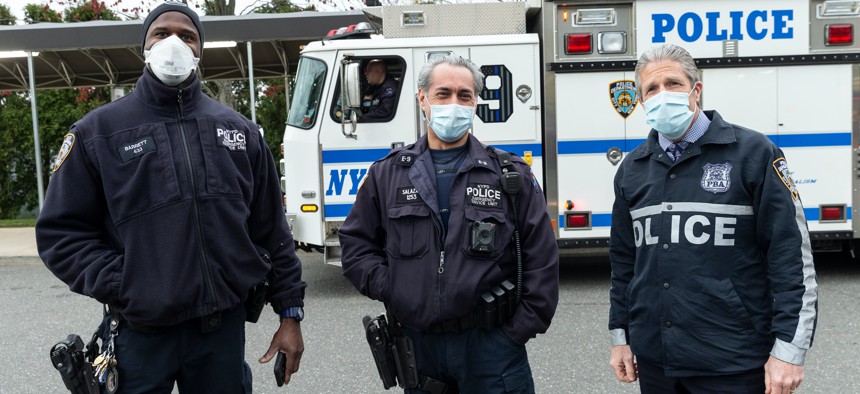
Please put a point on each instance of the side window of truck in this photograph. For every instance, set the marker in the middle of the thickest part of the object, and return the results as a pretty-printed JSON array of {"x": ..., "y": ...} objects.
[{"x": 381, "y": 84}]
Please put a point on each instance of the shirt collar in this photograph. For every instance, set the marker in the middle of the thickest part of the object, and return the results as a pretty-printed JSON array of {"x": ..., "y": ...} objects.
[{"x": 697, "y": 130}]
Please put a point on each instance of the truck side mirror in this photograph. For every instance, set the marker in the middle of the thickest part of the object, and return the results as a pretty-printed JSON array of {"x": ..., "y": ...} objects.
[
  {"x": 352, "y": 85},
  {"x": 350, "y": 90}
]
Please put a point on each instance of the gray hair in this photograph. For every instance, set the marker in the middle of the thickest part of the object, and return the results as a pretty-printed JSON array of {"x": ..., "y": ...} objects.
[
  {"x": 425, "y": 77},
  {"x": 667, "y": 52}
]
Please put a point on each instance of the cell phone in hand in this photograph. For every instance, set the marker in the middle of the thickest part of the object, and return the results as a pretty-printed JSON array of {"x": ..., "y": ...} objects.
[{"x": 280, "y": 364}]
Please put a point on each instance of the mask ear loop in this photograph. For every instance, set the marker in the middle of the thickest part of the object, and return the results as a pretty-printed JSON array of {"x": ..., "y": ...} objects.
[
  {"x": 429, "y": 109},
  {"x": 696, "y": 102}
]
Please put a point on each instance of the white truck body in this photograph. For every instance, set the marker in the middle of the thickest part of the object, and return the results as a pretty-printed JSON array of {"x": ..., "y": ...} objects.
[{"x": 764, "y": 64}]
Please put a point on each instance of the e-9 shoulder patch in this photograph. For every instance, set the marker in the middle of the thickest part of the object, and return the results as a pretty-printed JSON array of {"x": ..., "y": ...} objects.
[
  {"x": 782, "y": 171},
  {"x": 65, "y": 150}
]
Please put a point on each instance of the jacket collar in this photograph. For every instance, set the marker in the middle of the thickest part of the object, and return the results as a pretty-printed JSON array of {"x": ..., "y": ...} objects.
[
  {"x": 476, "y": 153},
  {"x": 719, "y": 132},
  {"x": 152, "y": 93}
]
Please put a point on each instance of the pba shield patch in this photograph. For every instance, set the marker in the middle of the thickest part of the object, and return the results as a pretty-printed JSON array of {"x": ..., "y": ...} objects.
[
  {"x": 622, "y": 94},
  {"x": 65, "y": 149},
  {"x": 782, "y": 171},
  {"x": 717, "y": 178}
]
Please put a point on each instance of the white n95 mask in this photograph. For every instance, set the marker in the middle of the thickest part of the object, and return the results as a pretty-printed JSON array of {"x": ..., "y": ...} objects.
[{"x": 171, "y": 60}]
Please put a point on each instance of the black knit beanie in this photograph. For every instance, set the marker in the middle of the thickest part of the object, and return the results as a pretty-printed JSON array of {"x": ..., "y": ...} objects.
[{"x": 167, "y": 7}]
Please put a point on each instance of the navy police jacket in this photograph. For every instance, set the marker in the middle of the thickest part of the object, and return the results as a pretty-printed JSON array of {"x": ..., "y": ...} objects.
[
  {"x": 380, "y": 106},
  {"x": 711, "y": 262},
  {"x": 157, "y": 202},
  {"x": 393, "y": 251}
]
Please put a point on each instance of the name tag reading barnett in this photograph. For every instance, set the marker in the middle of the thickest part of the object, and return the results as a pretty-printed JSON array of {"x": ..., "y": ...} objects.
[
  {"x": 136, "y": 148},
  {"x": 484, "y": 195}
]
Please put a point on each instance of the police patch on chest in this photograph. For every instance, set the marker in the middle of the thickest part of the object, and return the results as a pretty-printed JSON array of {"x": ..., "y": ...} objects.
[
  {"x": 482, "y": 195},
  {"x": 717, "y": 177},
  {"x": 136, "y": 148},
  {"x": 408, "y": 195},
  {"x": 230, "y": 139}
]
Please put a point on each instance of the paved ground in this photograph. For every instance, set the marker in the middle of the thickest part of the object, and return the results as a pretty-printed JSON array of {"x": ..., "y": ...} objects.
[
  {"x": 18, "y": 242},
  {"x": 37, "y": 310}
]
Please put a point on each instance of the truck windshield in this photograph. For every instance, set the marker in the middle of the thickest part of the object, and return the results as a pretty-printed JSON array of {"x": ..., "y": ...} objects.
[{"x": 310, "y": 80}]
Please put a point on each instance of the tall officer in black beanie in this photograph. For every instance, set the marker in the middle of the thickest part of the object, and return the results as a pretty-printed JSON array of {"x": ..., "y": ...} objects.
[{"x": 166, "y": 206}]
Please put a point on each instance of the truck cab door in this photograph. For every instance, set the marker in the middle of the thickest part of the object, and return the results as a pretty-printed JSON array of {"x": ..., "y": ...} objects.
[{"x": 346, "y": 159}]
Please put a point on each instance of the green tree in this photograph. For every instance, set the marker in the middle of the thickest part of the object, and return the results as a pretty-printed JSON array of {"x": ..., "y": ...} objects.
[
  {"x": 89, "y": 10},
  {"x": 57, "y": 110},
  {"x": 36, "y": 13},
  {"x": 6, "y": 16},
  {"x": 17, "y": 165},
  {"x": 280, "y": 6}
]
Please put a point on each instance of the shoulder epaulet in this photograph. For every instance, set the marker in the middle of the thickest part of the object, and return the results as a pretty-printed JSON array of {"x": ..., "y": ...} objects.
[
  {"x": 495, "y": 152},
  {"x": 401, "y": 156}
]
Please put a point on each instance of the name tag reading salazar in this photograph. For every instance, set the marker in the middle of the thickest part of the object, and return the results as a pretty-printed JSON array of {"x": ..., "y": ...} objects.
[{"x": 408, "y": 195}]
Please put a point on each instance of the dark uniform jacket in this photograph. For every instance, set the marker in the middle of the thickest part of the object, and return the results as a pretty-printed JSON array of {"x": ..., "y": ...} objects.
[
  {"x": 382, "y": 101},
  {"x": 393, "y": 251},
  {"x": 157, "y": 204},
  {"x": 711, "y": 262}
]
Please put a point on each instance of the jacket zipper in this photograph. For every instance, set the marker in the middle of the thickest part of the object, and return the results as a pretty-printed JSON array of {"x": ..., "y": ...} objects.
[
  {"x": 441, "y": 269},
  {"x": 207, "y": 271},
  {"x": 441, "y": 245}
]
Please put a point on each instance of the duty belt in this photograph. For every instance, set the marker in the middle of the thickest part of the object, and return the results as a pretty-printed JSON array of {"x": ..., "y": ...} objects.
[
  {"x": 457, "y": 325},
  {"x": 208, "y": 323},
  {"x": 494, "y": 309}
]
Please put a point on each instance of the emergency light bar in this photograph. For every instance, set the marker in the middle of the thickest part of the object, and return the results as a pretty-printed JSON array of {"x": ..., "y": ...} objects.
[{"x": 358, "y": 30}]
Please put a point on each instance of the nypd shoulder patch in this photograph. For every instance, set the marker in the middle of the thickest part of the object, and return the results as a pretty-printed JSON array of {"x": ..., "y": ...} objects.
[
  {"x": 535, "y": 183},
  {"x": 784, "y": 174},
  {"x": 65, "y": 150}
]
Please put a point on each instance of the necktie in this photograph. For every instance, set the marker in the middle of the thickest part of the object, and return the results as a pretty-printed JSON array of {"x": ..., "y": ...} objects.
[{"x": 675, "y": 150}]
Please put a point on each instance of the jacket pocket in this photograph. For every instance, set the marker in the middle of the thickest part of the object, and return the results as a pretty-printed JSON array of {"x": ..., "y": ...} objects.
[
  {"x": 487, "y": 240},
  {"x": 225, "y": 155},
  {"x": 138, "y": 170},
  {"x": 409, "y": 232}
]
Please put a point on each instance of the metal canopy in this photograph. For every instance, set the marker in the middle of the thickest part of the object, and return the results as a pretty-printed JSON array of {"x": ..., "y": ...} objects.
[{"x": 108, "y": 52}]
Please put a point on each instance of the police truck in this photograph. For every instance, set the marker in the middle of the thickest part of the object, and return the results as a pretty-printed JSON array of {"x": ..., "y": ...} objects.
[{"x": 560, "y": 93}]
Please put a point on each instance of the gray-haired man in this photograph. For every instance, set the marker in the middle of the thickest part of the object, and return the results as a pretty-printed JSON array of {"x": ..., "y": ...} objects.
[
  {"x": 713, "y": 284},
  {"x": 432, "y": 230}
]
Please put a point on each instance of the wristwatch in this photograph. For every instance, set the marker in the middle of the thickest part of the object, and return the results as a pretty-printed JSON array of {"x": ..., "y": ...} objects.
[{"x": 295, "y": 312}]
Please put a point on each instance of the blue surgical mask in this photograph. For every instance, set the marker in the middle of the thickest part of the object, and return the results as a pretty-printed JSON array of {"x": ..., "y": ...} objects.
[
  {"x": 450, "y": 121},
  {"x": 669, "y": 113}
]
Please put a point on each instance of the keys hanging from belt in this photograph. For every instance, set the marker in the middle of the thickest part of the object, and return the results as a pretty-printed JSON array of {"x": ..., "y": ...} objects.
[{"x": 105, "y": 364}]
